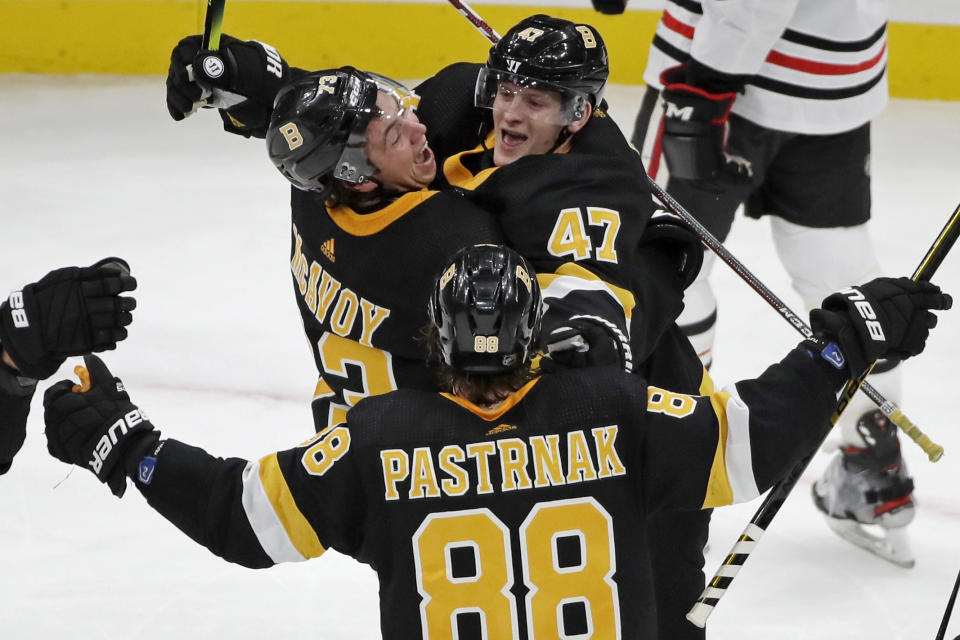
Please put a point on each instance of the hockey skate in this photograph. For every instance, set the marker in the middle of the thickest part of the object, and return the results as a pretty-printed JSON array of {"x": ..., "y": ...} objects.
[{"x": 867, "y": 496}]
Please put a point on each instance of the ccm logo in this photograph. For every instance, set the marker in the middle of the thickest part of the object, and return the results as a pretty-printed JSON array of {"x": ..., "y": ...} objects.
[
  {"x": 679, "y": 113},
  {"x": 866, "y": 312},
  {"x": 17, "y": 312},
  {"x": 109, "y": 439}
]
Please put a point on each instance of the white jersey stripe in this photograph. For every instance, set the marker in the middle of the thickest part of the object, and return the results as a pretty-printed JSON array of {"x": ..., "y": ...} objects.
[
  {"x": 263, "y": 519},
  {"x": 739, "y": 458}
]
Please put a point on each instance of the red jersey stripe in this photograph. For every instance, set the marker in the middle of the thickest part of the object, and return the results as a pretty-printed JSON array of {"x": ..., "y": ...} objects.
[
  {"x": 823, "y": 68},
  {"x": 675, "y": 25}
]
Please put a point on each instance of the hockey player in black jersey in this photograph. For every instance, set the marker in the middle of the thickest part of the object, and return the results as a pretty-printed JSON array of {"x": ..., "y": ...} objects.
[
  {"x": 68, "y": 312},
  {"x": 565, "y": 182},
  {"x": 367, "y": 235},
  {"x": 512, "y": 505}
]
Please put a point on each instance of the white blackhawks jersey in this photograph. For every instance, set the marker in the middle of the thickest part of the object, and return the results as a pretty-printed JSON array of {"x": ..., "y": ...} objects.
[{"x": 818, "y": 66}]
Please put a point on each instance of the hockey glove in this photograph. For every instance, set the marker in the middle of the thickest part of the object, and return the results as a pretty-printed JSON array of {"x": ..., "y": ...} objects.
[
  {"x": 241, "y": 78},
  {"x": 610, "y": 7},
  {"x": 678, "y": 241},
  {"x": 99, "y": 428},
  {"x": 884, "y": 318},
  {"x": 585, "y": 341},
  {"x": 70, "y": 312},
  {"x": 695, "y": 129}
]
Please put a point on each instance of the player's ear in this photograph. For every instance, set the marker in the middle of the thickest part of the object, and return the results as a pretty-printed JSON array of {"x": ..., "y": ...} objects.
[{"x": 582, "y": 122}]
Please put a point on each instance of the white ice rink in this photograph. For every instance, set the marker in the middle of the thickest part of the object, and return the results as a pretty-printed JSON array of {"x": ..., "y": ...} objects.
[{"x": 94, "y": 166}]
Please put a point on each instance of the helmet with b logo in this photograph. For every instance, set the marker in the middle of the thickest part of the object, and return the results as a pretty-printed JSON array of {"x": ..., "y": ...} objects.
[
  {"x": 552, "y": 54},
  {"x": 486, "y": 306},
  {"x": 318, "y": 130}
]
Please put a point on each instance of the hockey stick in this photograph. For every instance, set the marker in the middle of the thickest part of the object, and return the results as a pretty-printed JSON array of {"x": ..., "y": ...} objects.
[
  {"x": 212, "y": 28},
  {"x": 479, "y": 23},
  {"x": 889, "y": 408},
  {"x": 946, "y": 614},
  {"x": 213, "y": 24},
  {"x": 732, "y": 564}
]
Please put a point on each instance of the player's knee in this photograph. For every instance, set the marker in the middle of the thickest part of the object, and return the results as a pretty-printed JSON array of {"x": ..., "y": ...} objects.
[{"x": 821, "y": 261}]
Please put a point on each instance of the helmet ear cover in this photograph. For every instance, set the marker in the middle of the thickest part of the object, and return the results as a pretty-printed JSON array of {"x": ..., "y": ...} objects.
[{"x": 486, "y": 306}]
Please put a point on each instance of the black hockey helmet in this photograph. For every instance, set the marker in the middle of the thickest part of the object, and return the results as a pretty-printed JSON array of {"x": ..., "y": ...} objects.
[
  {"x": 318, "y": 130},
  {"x": 549, "y": 53},
  {"x": 486, "y": 306}
]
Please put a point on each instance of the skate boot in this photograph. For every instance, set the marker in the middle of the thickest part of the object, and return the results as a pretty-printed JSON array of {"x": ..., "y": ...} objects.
[{"x": 869, "y": 487}]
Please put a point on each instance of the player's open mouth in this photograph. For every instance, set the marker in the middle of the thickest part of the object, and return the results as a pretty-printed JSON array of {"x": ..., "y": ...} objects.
[
  {"x": 512, "y": 139},
  {"x": 425, "y": 156}
]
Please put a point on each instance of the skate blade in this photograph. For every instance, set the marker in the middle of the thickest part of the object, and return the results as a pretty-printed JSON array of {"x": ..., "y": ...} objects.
[{"x": 894, "y": 547}]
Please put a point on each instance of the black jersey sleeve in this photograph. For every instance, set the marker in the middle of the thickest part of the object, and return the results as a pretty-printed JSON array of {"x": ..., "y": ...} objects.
[
  {"x": 288, "y": 506},
  {"x": 15, "y": 395},
  {"x": 446, "y": 108},
  {"x": 734, "y": 444},
  {"x": 203, "y": 497}
]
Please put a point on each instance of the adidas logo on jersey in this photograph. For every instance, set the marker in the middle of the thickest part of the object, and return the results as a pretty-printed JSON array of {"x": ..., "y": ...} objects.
[
  {"x": 109, "y": 439},
  {"x": 17, "y": 312},
  {"x": 327, "y": 250}
]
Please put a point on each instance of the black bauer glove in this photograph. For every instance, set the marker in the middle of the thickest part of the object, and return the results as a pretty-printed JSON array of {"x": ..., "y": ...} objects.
[
  {"x": 884, "y": 318},
  {"x": 695, "y": 130},
  {"x": 585, "y": 341},
  {"x": 70, "y": 312},
  {"x": 610, "y": 7},
  {"x": 242, "y": 77},
  {"x": 98, "y": 429}
]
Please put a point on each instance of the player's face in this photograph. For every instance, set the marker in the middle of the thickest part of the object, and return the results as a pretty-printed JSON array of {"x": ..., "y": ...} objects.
[
  {"x": 524, "y": 122},
  {"x": 397, "y": 146}
]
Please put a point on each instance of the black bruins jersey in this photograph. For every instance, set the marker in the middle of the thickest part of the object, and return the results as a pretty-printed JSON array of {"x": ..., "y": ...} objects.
[
  {"x": 362, "y": 282},
  {"x": 584, "y": 240},
  {"x": 526, "y": 520}
]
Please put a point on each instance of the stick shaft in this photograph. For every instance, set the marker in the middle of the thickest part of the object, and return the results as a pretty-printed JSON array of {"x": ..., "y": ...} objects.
[
  {"x": 213, "y": 24},
  {"x": 474, "y": 18},
  {"x": 949, "y": 610}
]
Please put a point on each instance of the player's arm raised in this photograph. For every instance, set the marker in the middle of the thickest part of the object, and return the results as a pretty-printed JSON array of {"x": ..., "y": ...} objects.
[{"x": 735, "y": 444}]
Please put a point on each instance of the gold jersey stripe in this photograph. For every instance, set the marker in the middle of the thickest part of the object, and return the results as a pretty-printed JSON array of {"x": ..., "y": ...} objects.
[
  {"x": 457, "y": 173},
  {"x": 301, "y": 534},
  {"x": 706, "y": 384},
  {"x": 368, "y": 224},
  {"x": 719, "y": 492},
  {"x": 493, "y": 414}
]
